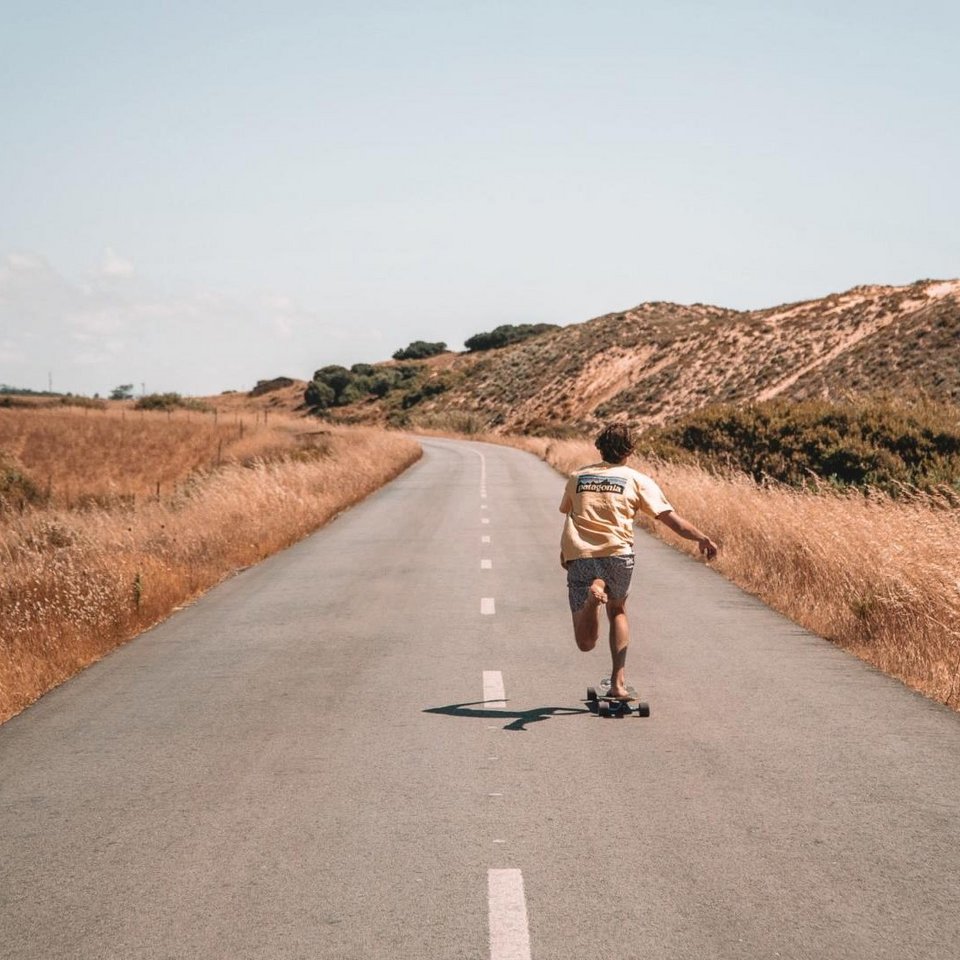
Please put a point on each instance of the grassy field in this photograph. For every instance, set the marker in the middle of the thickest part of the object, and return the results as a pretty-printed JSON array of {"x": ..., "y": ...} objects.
[
  {"x": 91, "y": 554},
  {"x": 879, "y": 577},
  {"x": 79, "y": 456}
]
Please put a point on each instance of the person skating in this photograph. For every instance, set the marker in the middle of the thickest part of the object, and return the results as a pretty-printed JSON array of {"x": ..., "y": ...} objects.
[{"x": 601, "y": 502}]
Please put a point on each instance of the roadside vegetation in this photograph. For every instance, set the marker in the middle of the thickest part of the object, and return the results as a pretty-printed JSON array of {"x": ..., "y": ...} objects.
[
  {"x": 393, "y": 388},
  {"x": 109, "y": 520},
  {"x": 873, "y": 443},
  {"x": 169, "y": 401}
]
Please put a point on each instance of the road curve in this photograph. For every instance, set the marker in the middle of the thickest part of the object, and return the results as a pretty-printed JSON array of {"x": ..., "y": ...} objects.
[{"x": 373, "y": 745}]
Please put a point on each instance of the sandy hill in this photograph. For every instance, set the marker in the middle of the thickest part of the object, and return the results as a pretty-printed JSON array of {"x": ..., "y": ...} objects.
[{"x": 659, "y": 360}]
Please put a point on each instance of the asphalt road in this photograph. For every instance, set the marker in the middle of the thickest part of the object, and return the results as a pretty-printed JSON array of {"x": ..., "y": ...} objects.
[{"x": 313, "y": 761}]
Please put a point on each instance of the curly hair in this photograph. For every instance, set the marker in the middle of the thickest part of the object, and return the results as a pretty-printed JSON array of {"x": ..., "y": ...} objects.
[{"x": 615, "y": 442}]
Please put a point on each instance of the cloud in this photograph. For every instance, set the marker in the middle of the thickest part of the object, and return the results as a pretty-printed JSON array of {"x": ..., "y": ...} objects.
[
  {"x": 21, "y": 262},
  {"x": 113, "y": 265},
  {"x": 112, "y": 327}
]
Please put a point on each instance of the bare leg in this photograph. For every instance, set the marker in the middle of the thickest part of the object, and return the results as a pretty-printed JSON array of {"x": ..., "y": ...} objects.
[
  {"x": 586, "y": 620},
  {"x": 619, "y": 642}
]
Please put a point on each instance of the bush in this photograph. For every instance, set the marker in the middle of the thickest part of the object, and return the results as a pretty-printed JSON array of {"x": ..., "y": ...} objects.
[
  {"x": 16, "y": 488},
  {"x": 168, "y": 401},
  {"x": 382, "y": 384},
  {"x": 73, "y": 400},
  {"x": 158, "y": 401},
  {"x": 328, "y": 387},
  {"x": 878, "y": 443},
  {"x": 506, "y": 334},
  {"x": 336, "y": 386},
  {"x": 319, "y": 394},
  {"x": 268, "y": 386},
  {"x": 25, "y": 391},
  {"x": 419, "y": 350}
]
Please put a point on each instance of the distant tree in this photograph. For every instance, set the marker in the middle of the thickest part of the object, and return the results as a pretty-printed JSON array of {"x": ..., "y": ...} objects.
[
  {"x": 158, "y": 401},
  {"x": 123, "y": 392},
  {"x": 335, "y": 377},
  {"x": 383, "y": 382},
  {"x": 506, "y": 334},
  {"x": 419, "y": 350},
  {"x": 168, "y": 402},
  {"x": 25, "y": 391},
  {"x": 319, "y": 394},
  {"x": 336, "y": 386}
]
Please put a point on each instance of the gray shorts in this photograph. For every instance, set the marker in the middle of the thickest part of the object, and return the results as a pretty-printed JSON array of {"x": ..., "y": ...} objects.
[{"x": 616, "y": 572}]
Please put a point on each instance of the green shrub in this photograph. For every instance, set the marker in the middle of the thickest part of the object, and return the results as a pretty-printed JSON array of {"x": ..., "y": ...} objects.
[
  {"x": 506, "y": 334},
  {"x": 876, "y": 443},
  {"x": 419, "y": 350},
  {"x": 16, "y": 488},
  {"x": 319, "y": 394},
  {"x": 383, "y": 383},
  {"x": 74, "y": 400},
  {"x": 168, "y": 401}
]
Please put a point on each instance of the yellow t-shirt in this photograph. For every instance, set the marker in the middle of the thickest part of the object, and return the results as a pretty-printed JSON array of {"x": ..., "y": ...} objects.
[{"x": 601, "y": 502}]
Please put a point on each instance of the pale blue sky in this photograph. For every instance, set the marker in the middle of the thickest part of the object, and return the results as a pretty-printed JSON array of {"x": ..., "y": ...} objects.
[{"x": 196, "y": 195}]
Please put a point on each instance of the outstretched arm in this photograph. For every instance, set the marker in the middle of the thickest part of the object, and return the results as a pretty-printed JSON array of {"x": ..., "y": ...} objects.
[{"x": 688, "y": 531}]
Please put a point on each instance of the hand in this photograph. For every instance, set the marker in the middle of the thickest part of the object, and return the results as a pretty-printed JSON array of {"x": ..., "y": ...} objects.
[{"x": 707, "y": 547}]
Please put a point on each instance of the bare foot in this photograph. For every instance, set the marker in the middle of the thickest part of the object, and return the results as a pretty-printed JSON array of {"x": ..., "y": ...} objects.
[
  {"x": 598, "y": 591},
  {"x": 618, "y": 692}
]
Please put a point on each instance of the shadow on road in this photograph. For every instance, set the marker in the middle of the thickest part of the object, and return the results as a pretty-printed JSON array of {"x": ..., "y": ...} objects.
[{"x": 520, "y": 718}]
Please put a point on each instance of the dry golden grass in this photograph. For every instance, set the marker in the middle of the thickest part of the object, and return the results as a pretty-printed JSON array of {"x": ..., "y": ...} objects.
[
  {"x": 76, "y": 583},
  {"x": 878, "y": 577},
  {"x": 80, "y": 455}
]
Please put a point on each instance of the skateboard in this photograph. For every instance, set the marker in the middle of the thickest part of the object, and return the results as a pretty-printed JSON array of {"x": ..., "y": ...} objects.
[{"x": 608, "y": 706}]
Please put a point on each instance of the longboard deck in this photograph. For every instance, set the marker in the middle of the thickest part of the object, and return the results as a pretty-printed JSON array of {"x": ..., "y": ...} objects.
[{"x": 608, "y": 706}]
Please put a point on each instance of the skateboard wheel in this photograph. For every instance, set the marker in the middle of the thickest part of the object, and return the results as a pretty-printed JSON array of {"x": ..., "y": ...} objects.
[
  {"x": 643, "y": 709},
  {"x": 604, "y": 710},
  {"x": 591, "y": 693}
]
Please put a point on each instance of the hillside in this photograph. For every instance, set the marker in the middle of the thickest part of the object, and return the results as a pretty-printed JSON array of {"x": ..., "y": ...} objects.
[{"x": 658, "y": 361}]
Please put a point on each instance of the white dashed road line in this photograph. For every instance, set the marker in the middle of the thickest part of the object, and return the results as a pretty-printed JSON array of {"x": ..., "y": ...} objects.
[
  {"x": 507, "y": 905},
  {"x": 494, "y": 695},
  {"x": 506, "y": 902}
]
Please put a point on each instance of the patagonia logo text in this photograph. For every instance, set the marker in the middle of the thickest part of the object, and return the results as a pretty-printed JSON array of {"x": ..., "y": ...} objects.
[{"x": 591, "y": 483}]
